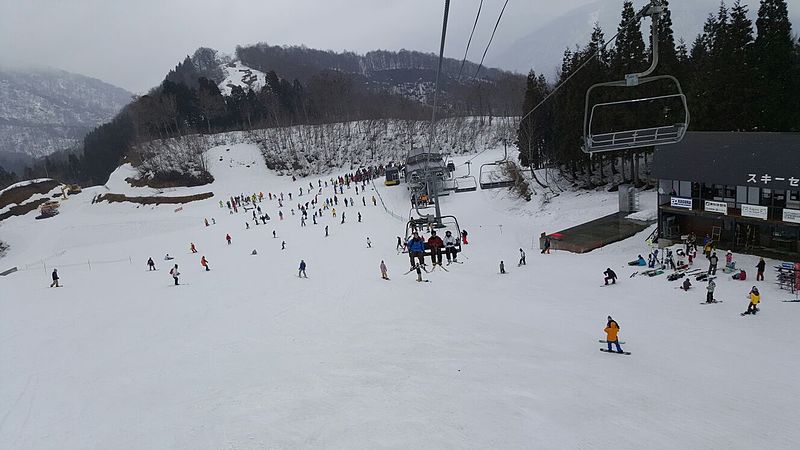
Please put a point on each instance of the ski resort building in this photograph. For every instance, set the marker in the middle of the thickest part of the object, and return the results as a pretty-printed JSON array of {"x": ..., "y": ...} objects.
[{"x": 741, "y": 189}]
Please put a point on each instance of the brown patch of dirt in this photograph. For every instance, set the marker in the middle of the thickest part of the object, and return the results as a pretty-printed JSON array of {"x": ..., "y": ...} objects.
[
  {"x": 20, "y": 194},
  {"x": 154, "y": 200}
]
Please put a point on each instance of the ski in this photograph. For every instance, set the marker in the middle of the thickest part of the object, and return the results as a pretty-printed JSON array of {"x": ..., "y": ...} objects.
[
  {"x": 614, "y": 351},
  {"x": 606, "y": 342},
  {"x": 711, "y": 303}
]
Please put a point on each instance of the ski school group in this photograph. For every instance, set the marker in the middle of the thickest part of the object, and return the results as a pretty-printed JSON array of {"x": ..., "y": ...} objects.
[{"x": 660, "y": 261}]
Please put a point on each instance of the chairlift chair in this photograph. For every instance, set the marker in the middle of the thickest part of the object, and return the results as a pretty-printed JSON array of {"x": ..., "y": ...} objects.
[
  {"x": 444, "y": 224},
  {"x": 595, "y": 142},
  {"x": 485, "y": 174}
]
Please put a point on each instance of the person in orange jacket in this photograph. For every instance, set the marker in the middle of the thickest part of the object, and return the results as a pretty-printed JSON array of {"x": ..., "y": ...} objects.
[
  {"x": 192, "y": 247},
  {"x": 612, "y": 329},
  {"x": 204, "y": 263}
]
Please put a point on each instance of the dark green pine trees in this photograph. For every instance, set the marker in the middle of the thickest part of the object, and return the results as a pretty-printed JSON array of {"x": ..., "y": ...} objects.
[{"x": 775, "y": 69}]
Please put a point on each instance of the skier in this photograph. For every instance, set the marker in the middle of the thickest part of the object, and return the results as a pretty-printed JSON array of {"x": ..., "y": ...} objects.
[
  {"x": 435, "y": 244},
  {"x": 610, "y": 275},
  {"x": 204, "y": 263},
  {"x": 374, "y": 201},
  {"x": 274, "y": 235},
  {"x": 612, "y": 329},
  {"x": 502, "y": 267},
  {"x": 247, "y": 225},
  {"x": 416, "y": 249},
  {"x": 450, "y": 247},
  {"x": 342, "y": 216},
  {"x": 359, "y": 217},
  {"x": 712, "y": 264},
  {"x": 326, "y": 231},
  {"x": 283, "y": 245},
  {"x": 384, "y": 271},
  {"x": 254, "y": 252},
  {"x": 399, "y": 246},
  {"x": 302, "y": 270},
  {"x": 175, "y": 274},
  {"x": 55, "y": 279},
  {"x": 755, "y": 298},
  {"x": 686, "y": 284},
  {"x": 521, "y": 258},
  {"x": 710, "y": 294},
  {"x": 151, "y": 264},
  {"x": 464, "y": 237},
  {"x": 546, "y": 245},
  {"x": 206, "y": 221},
  {"x": 192, "y": 247},
  {"x": 369, "y": 243},
  {"x": 760, "y": 266}
]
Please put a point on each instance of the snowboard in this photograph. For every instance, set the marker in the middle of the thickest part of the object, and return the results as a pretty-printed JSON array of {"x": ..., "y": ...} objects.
[
  {"x": 609, "y": 284},
  {"x": 606, "y": 342},
  {"x": 711, "y": 303},
  {"x": 614, "y": 351}
]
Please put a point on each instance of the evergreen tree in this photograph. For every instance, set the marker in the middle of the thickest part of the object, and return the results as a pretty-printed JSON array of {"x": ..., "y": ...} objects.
[
  {"x": 628, "y": 55},
  {"x": 668, "y": 57},
  {"x": 534, "y": 136},
  {"x": 774, "y": 49}
]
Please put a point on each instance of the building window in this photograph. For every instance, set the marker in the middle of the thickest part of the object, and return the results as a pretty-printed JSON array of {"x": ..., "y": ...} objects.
[
  {"x": 794, "y": 196},
  {"x": 753, "y": 195},
  {"x": 718, "y": 192},
  {"x": 685, "y": 189},
  {"x": 696, "y": 190},
  {"x": 730, "y": 193},
  {"x": 741, "y": 194},
  {"x": 708, "y": 191},
  {"x": 779, "y": 198},
  {"x": 766, "y": 197}
]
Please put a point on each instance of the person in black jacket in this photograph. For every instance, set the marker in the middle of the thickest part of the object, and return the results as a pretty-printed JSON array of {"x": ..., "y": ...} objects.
[
  {"x": 610, "y": 275},
  {"x": 712, "y": 264},
  {"x": 760, "y": 266},
  {"x": 151, "y": 264},
  {"x": 55, "y": 279}
]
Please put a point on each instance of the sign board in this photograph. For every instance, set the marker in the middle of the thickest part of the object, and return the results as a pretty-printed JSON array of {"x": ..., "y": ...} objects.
[
  {"x": 716, "y": 207},
  {"x": 759, "y": 212},
  {"x": 791, "y": 215},
  {"x": 680, "y": 202}
]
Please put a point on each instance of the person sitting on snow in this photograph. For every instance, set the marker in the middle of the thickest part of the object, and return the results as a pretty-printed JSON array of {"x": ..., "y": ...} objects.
[
  {"x": 686, "y": 284},
  {"x": 610, "y": 275}
]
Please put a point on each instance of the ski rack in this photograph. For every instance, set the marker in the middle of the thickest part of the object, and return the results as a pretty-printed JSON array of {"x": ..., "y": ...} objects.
[{"x": 640, "y": 137}]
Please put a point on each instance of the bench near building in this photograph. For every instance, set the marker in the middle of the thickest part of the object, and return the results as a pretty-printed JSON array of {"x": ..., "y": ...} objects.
[{"x": 743, "y": 189}]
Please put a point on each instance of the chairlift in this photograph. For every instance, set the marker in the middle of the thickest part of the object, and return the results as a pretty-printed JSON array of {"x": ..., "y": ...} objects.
[
  {"x": 658, "y": 134},
  {"x": 489, "y": 178},
  {"x": 466, "y": 183},
  {"x": 424, "y": 225},
  {"x": 392, "y": 176}
]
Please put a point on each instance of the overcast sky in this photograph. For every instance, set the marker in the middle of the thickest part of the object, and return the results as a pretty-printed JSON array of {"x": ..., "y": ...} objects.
[{"x": 134, "y": 43}]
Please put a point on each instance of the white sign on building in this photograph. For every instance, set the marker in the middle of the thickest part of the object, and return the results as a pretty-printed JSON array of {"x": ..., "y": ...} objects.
[
  {"x": 791, "y": 215},
  {"x": 680, "y": 202},
  {"x": 716, "y": 207},
  {"x": 759, "y": 212}
]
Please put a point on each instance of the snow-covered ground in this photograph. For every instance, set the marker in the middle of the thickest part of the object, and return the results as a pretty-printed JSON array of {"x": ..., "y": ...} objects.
[
  {"x": 250, "y": 356},
  {"x": 237, "y": 74}
]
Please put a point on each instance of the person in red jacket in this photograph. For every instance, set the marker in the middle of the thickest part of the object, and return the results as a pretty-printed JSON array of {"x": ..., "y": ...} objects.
[
  {"x": 436, "y": 244},
  {"x": 228, "y": 238},
  {"x": 204, "y": 263}
]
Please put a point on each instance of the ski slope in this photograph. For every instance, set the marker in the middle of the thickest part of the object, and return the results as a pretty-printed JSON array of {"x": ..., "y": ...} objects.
[{"x": 249, "y": 356}]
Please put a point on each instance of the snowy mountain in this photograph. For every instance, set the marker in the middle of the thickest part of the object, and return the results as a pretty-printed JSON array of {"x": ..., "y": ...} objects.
[
  {"x": 543, "y": 48},
  {"x": 46, "y": 110},
  {"x": 248, "y": 355}
]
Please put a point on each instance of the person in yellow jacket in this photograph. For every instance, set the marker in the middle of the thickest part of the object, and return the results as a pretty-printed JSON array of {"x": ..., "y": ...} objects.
[
  {"x": 612, "y": 329},
  {"x": 755, "y": 298}
]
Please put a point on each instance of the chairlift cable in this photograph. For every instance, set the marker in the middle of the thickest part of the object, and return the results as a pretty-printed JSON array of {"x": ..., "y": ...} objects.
[
  {"x": 486, "y": 50},
  {"x": 633, "y": 20},
  {"x": 463, "y": 61}
]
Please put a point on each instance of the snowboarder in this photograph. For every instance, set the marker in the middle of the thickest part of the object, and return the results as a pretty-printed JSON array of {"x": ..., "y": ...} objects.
[
  {"x": 760, "y": 266},
  {"x": 435, "y": 244},
  {"x": 359, "y": 217},
  {"x": 192, "y": 247},
  {"x": 369, "y": 243},
  {"x": 502, "y": 267},
  {"x": 638, "y": 262},
  {"x": 283, "y": 245},
  {"x": 204, "y": 263},
  {"x": 55, "y": 279},
  {"x": 302, "y": 270},
  {"x": 612, "y": 330},
  {"x": 207, "y": 219},
  {"x": 175, "y": 274},
  {"x": 399, "y": 246},
  {"x": 342, "y": 216},
  {"x": 521, "y": 258},
  {"x": 610, "y": 275},
  {"x": 384, "y": 271},
  {"x": 228, "y": 238},
  {"x": 464, "y": 237},
  {"x": 254, "y": 252},
  {"x": 247, "y": 225},
  {"x": 755, "y": 298},
  {"x": 151, "y": 264},
  {"x": 326, "y": 231},
  {"x": 686, "y": 284},
  {"x": 374, "y": 201},
  {"x": 712, "y": 264},
  {"x": 710, "y": 294},
  {"x": 167, "y": 257},
  {"x": 729, "y": 259}
]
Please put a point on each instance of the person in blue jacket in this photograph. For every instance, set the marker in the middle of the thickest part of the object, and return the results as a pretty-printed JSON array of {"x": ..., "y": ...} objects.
[{"x": 416, "y": 249}]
